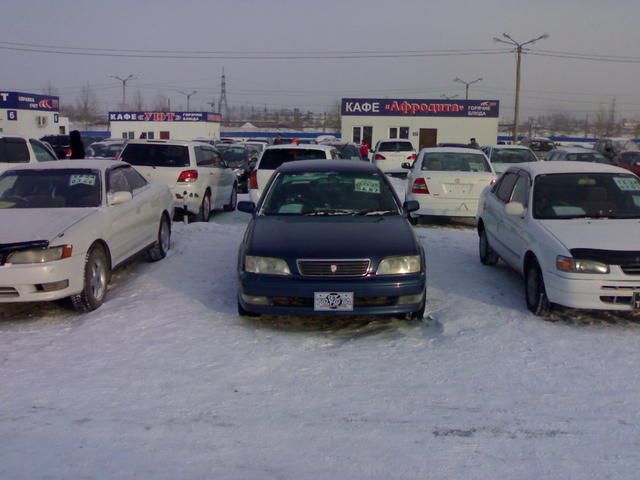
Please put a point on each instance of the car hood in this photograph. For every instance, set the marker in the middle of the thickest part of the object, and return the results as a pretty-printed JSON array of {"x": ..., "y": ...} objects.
[
  {"x": 26, "y": 224},
  {"x": 600, "y": 234},
  {"x": 331, "y": 237}
]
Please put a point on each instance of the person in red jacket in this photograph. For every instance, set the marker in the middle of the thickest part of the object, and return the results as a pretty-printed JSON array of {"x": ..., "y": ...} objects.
[{"x": 364, "y": 151}]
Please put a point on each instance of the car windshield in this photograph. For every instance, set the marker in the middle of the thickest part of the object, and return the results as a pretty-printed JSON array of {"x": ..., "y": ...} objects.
[
  {"x": 56, "y": 188},
  {"x": 13, "y": 150},
  {"x": 273, "y": 158},
  {"x": 455, "y": 162},
  {"x": 156, "y": 155},
  {"x": 512, "y": 155},
  {"x": 587, "y": 157},
  {"x": 395, "y": 147},
  {"x": 582, "y": 195},
  {"x": 330, "y": 193},
  {"x": 234, "y": 156},
  {"x": 348, "y": 152}
]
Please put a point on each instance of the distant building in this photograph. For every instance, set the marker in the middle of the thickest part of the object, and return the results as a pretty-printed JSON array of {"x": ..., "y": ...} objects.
[
  {"x": 165, "y": 125},
  {"x": 31, "y": 114},
  {"x": 425, "y": 122}
]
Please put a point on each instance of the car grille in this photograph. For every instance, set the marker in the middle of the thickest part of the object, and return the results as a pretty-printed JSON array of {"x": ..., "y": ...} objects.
[
  {"x": 631, "y": 269},
  {"x": 8, "y": 292},
  {"x": 334, "y": 268}
]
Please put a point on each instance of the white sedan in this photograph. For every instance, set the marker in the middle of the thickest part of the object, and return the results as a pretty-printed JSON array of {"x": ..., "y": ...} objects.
[
  {"x": 69, "y": 223},
  {"x": 571, "y": 229},
  {"x": 448, "y": 181}
]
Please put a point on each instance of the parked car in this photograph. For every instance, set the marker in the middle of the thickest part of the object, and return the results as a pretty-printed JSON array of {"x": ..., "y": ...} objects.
[
  {"x": 199, "y": 179},
  {"x": 389, "y": 155},
  {"x": 106, "y": 148},
  {"x": 16, "y": 150},
  {"x": 576, "y": 154},
  {"x": 610, "y": 147},
  {"x": 257, "y": 147},
  {"x": 73, "y": 222},
  {"x": 61, "y": 144},
  {"x": 457, "y": 145},
  {"x": 571, "y": 229},
  {"x": 348, "y": 151},
  {"x": 540, "y": 146},
  {"x": 448, "y": 181},
  {"x": 238, "y": 157},
  {"x": 504, "y": 156},
  {"x": 629, "y": 160},
  {"x": 308, "y": 248},
  {"x": 275, "y": 155}
]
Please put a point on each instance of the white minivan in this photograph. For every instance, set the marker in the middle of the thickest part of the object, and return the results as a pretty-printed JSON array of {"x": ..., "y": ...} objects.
[
  {"x": 16, "y": 150},
  {"x": 199, "y": 179}
]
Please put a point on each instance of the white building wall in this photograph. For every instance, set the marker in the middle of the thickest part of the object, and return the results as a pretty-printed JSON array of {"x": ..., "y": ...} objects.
[
  {"x": 32, "y": 123},
  {"x": 177, "y": 130},
  {"x": 450, "y": 129}
]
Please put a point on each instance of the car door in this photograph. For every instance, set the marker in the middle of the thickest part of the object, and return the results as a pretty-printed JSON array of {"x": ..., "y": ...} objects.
[
  {"x": 149, "y": 204},
  {"x": 493, "y": 214},
  {"x": 126, "y": 218},
  {"x": 513, "y": 230},
  {"x": 224, "y": 177}
]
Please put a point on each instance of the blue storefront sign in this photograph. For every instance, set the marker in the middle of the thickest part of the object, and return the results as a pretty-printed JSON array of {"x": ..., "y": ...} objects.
[
  {"x": 389, "y": 107},
  {"x": 29, "y": 101},
  {"x": 164, "y": 117}
]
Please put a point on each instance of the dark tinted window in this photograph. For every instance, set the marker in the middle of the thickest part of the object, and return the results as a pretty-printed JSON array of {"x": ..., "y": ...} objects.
[
  {"x": 395, "y": 147},
  {"x": 156, "y": 155},
  {"x": 630, "y": 158},
  {"x": 455, "y": 162},
  {"x": 587, "y": 157},
  {"x": 512, "y": 155},
  {"x": 13, "y": 150},
  {"x": 521, "y": 191},
  {"x": 56, "y": 140},
  {"x": 235, "y": 156},
  {"x": 272, "y": 159},
  {"x": 134, "y": 178},
  {"x": 506, "y": 186},
  {"x": 348, "y": 152}
]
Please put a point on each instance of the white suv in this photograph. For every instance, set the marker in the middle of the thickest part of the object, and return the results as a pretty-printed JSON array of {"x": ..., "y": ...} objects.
[
  {"x": 17, "y": 150},
  {"x": 274, "y": 156},
  {"x": 389, "y": 155},
  {"x": 199, "y": 179}
]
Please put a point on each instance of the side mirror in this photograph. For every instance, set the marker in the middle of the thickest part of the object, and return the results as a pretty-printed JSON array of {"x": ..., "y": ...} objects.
[
  {"x": 247, "y": 207},
  {"x": 514, "y": 209},
  {"x": 410, "y": 206},
  {"x": 116, "y": 198},
  {"x": 407, "y": 165}
]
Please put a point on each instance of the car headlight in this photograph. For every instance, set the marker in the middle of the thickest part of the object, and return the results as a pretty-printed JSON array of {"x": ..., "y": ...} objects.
[
  {"x": 567, "y": 264},
  {"x": 266, "y": 265},
  {"x": 399, "y": 265},
  {"x": 40, "y": 255}
]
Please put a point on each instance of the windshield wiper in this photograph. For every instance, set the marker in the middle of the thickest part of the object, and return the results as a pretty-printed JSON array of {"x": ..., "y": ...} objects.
[
  {"x": 375, "y": 211},
  {"x": 335, "y": 211}
]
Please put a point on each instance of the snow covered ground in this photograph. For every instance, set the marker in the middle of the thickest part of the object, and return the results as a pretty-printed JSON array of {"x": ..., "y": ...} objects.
[{"x": 165, "y": 381}]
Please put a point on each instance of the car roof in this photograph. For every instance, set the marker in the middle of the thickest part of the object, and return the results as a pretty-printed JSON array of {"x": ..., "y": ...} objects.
[
  {"x": 452, "y": 150},
  {"x": 305, "y": 146},
  {"x": 23, "y": 137},
  {"x": 394, "y": 140},
  {"x": 575, "y": 150},
  {"x": 98, "y": 164},
  {"x": 327, "y": 166},
  {"x": 509, "y": 147},
  {"x": 184, "y": 143},
  {"x": 543, "y": 168}
]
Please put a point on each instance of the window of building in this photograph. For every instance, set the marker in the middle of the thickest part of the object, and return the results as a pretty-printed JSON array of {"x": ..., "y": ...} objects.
[
  {"x": 357, "y": 134},
  {"x": 393, "y": 132},
  {"x": 404, "y": 132},
  {"x": 150, "y": 135}
]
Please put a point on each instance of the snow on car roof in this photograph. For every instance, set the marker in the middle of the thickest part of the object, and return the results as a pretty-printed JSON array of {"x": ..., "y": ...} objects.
[
  {"x": 304, "y": 146},
  {"x": 63, "y": 164}
]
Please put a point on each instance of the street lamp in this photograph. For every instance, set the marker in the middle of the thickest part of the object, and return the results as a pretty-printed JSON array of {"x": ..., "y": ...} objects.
[
  {"x": 466, "y": 84},
  {"x": 124, "y": 86},
  {"x": 518, "y": 49},
  {"x": 188, "y": 95}
]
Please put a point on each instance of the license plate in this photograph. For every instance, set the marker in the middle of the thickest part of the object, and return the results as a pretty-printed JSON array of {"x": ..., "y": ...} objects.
[
  {"x": 636, "y": 300},
  {"x": 332, "y": 301}
]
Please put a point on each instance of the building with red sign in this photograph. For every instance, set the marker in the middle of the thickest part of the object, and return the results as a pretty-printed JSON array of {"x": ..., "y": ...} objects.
[
  {"x": 425, "y": 122},
  {"x": 165, "y": 125},
  {"x": 30, "y": 114}
]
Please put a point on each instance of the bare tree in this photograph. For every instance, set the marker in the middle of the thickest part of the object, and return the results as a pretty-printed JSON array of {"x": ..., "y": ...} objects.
[
  {"x": 86, "y": 107},
  {"x": 49, "y": 89},
  {"x": 160, "y": 103}
]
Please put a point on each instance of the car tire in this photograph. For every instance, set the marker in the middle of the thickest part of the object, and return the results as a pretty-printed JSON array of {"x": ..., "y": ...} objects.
[
  {"x": 96, "y": 280},
  {"x": 160, "y": 249},
  {"x": 244, "y": 313},
  {"x": 205, "y": 208},
  {"x": 487, "y": 255},
  {"x": 231, "y": 206},
  {"x": 535, "y": 291}
]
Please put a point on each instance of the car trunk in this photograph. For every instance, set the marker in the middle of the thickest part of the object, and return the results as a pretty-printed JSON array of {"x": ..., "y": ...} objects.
[{"x": 457, "y": 185}]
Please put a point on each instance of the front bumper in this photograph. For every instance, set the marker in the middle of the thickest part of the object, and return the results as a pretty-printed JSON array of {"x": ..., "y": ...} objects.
[
  {"x": 293, "y": 295},
  {"x": 594, "y": 294},
  {"x": 23, "y": 283}
]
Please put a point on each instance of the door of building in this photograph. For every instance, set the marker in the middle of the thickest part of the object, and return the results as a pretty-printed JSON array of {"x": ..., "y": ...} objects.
[{"x": 428, "y": 138}]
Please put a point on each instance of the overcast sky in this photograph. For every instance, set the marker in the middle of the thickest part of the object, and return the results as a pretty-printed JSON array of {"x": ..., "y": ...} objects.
[{"x": 549, "y": 84}]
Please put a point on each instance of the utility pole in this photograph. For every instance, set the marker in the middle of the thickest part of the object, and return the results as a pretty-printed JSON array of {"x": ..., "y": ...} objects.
[
  {"x": 466, "y": 84},
  {"x": 124, "y": 87},
  {"x": 518, "y": 50},
  {"x": 223, "y": 97},
  {"x": 449, "y": 97},
  {"x": 188, "y": 95}
]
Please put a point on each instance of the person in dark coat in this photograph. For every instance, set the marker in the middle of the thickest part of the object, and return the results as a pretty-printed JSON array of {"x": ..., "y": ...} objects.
[{"x": 77, "y": 147}]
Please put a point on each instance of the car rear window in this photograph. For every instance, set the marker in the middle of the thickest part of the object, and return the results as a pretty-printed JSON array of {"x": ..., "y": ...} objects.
[
  {"x": 395, "y": 147},
  {"x": 512, "y": 155},
  {"x": 272, "y": 159},
  {"x": 13, "y": 150},
  {"x": 587, "y": 157},
  {"x": 156, "y": 155},
  {"x": 455, "y": 162}
]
